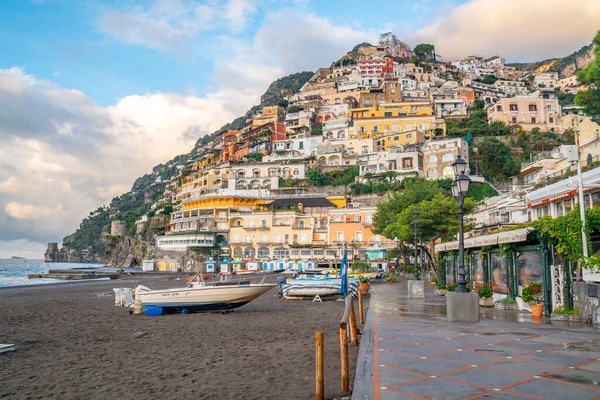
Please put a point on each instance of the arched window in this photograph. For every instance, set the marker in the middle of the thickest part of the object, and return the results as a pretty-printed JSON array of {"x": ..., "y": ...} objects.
[
  {"x": 590, "y": 159},
  {"x": 448, "y": 171},
  {"x": 432, "y": 159},
  {"x": 263, "y": 252},
  {"x": 448, "y": 157},
  {"x": 249, "y": 252},
  {"x": 237, "y": 252}
]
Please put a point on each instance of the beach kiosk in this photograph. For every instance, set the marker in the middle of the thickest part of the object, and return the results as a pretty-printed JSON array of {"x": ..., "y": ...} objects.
[{"x": 211, "y": 265}]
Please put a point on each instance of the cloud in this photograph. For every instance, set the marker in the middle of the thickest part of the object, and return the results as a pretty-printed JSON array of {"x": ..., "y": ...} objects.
[
  {"x": 169, "y": 25},
  {"x": 62, "y": 155},
  {"x": 518, "y": 30}
]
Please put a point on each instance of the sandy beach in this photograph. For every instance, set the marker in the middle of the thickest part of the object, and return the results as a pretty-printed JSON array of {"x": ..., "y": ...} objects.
[{"x": 72, "y": 342}]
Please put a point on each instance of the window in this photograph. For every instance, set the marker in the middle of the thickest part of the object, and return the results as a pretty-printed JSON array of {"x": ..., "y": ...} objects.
[
  {"x": 532, "y": 107},
  {"x": 408, "y": 127},
  {"x": 387, "y": 113},
  {"x": 407, "y": 163},
  {"x": 337, "y": 100},
  {"x": 367, "y": 102},
  {"x": 396, "y": 137},
  {"x": 514, "y": 120},
  {"x": 361, "y": 129},
  {"x": 513, "y": 107},
  {"x": 277, "y": 238},
  {"x": 395, "y": 127},
  {"x": 263, "y": 238},
  {"x": 432, "y": 159},
  {"x": 409, "y": 136},
  {"x": 393, "y": 90},
  {"x": 359, "y": 236},
  {"x": 375, "y": 128},
  {"x": 286, "y": 238},
  {"x": 425, "y": 126},
  {"x": 296, "y": 172},
  {"x": 533, "y": 120},
  {"x": 340, "y": 236},
  {"x": 551, "y": 120},
  {"x": 431, "y": 173},
  {"x": 264, "y": 223}
]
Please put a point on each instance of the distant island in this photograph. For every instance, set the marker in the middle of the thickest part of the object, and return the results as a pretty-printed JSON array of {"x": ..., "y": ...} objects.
[{"x": 17, "y": 258}]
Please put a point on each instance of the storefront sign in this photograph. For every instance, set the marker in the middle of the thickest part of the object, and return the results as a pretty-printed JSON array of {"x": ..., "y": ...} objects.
[{"x": 518, "y": 235}]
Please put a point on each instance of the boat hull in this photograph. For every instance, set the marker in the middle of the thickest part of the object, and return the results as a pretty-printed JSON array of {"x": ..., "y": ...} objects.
[
  {"x": 299, "y": 288},
  {"x": 204, "y": 298}
]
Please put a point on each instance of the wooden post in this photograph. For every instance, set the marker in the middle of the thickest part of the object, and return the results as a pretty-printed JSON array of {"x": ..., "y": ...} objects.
[
  {"x": 320, "y": 382},
  {"x": 344, "y": 357},
  {"x": 361, "y": 312},
  {"x": 353, "y": 328}
]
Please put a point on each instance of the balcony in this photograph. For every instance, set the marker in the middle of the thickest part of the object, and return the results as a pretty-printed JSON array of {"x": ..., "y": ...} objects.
[
  {"x": 367, "y": 223},
  {"x": 263, "y": 228},
  {"x": 241, "y": 243},
  {"x": 282, "y": 224},
  {"x": 250, "y": 228},
  {"x": 298, "y": 226}
]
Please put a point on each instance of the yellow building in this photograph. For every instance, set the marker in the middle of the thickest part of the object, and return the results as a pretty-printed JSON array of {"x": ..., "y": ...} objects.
[
  {"x": 268, "y": 114},
  {"x": 394, "y": 117},
  {"x": 269, "y": 234},
  {"x": 385, "y": 141}
]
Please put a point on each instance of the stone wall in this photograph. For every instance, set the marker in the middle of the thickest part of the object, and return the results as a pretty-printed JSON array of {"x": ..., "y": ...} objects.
[{"x": 585, "y": 298}]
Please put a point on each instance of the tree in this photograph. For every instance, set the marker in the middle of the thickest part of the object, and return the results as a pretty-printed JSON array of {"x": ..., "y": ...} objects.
[
  {"x": 488, "y": 79},
  {"x": 255, "y": 156},
  {"x": 316, "y": 177},
  {"x": 425, "y": 52},
  {"x": 478, "y": 104},
  {"x": 317, "y": 130},
  {"x": 496, "y": 159},
  {"x": 590, "y": 99},
  {"x": 498, "y": 128}
]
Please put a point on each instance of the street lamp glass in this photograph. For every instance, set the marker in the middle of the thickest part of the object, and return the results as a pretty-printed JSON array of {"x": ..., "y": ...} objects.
[
  {"x": 459, "y": 166},
  {"x": 462, "y": 182},
  {"x": 454, "y": 187}
]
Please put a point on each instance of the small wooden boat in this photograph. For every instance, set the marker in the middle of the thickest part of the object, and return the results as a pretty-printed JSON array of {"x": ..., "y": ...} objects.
[{"x": 312, "y": 286}]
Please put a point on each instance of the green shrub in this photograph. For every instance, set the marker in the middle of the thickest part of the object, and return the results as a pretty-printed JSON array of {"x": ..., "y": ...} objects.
[
  {"x": 566, "y": 311},
  {"x": 433, "y": 279},
  {"x": 485, "y": 291},
  {"x": 452, "y": 287},
  {"x": 532, "y": 293},
  {"x": 441, "y": 286},
  {"x": 390, "y": 278},
  {"x": 507, "y": 300},
  {"x": 363, "y": 279}
]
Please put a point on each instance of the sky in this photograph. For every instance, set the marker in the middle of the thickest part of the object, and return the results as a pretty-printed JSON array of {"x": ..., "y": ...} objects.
[{"x": 93, "y": 94}]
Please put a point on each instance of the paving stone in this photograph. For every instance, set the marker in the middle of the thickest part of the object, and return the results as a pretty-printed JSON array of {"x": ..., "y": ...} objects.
[
  {"x": 435, "y": 388},
  {"x": 553, "y": 340},
  {"x": 499, "y": 395},
  {"x": 578, "y": 376},
  {"x": 591, "y": 367},
  {"x": 454, "y": 344},
  {"x": 420, "y": 351},
  {"x": 554, "y": 390},
  {"x": 524, "y": 367},
  {"x": 483, "y": 376},
  {"x": 500, "y": 350},
  {"x": 389, "y": 376},
  {"x": 531, "y": 345},
  {"x": 391, "y": 395},
  {"x": 554, "y": 358},
  {"x": 466, "y": 357},
  {"x": 429, "y": 366},
  {"x": 389, "y": 357}
]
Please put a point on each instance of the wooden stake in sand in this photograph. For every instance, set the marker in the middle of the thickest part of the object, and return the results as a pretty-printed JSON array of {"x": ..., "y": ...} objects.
[
  {"x": 361, "y": 313},
  {"x": 353, "y": 328},
  {"x": 320, "y": 382},
  {"x": 344, "y": 357}
]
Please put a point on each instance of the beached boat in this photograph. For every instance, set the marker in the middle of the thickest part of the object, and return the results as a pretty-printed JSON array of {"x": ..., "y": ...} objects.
[
  {"x": 318, "y": 285},
  {"x": 203, "y": 296}
]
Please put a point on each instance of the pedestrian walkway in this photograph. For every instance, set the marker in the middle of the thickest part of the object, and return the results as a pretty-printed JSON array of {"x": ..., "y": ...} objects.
[{"x": 409, "y": 350}]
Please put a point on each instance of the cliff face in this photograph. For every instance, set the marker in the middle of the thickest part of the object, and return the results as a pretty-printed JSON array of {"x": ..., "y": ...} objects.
[
  {"x": 67, "y": 254},
  {"x": 566, "y": 66}
]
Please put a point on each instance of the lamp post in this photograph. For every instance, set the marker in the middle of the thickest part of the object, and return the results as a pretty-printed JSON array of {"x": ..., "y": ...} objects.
[
  {"x": 415, "y": 228},
  {"x": 581, "y": 196},
  {"x": 460, "y": 187}
]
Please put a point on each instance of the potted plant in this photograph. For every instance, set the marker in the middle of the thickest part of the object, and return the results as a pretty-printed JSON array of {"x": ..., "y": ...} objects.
[
  {"x": 364, "y": 284},
  {"x": 390, "y": 278},
  {"x": 452, "y": 287},
  {"x": 486, "y": 295},
  {"x": 433, "y": 280},
  {"x": 566, "y": 314},
  {"x": 441, "y": 289},
  {"x": 532, "y": 294}
]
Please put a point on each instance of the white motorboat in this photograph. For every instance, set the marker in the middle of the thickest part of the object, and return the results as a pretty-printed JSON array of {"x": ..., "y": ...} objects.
[
  {"x": 313, "y": 286},
  {"x": 203, "y": 296}
]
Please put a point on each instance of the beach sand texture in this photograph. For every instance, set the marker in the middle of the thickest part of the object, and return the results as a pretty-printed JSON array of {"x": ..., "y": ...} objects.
[{"x": 73, "y": 344}]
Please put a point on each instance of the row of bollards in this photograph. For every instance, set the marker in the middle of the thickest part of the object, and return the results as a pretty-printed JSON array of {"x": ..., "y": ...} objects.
[{"x": 348, "y": 318}]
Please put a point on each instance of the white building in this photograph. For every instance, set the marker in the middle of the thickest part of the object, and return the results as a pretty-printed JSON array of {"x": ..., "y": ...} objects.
[
  {"x": 546, "y": 79},
  {"x": 264, "y": 175},
  {"x": 182, "y": 242},
  {"x": 449, "y": 107},
  {"x": 504, "y": 209},
  {"x": 440, "y": 154}
]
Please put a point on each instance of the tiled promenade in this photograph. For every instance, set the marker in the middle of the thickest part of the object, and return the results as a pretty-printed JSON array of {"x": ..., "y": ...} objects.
[{"x": 409, "y": 350}]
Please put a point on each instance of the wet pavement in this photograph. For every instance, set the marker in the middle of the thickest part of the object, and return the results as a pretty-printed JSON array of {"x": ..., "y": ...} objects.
[{"x": 409, "y": 350}]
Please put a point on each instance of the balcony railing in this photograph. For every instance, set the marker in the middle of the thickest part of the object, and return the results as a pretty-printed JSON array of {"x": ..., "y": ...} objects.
[
  {"x": 298, "y": 226},
  {"x": 250, "y": 228},
  {"x": 240, "y": 242}
]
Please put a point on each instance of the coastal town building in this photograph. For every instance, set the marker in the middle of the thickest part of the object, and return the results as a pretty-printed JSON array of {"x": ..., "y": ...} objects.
[{"x": 528, "y": 112}]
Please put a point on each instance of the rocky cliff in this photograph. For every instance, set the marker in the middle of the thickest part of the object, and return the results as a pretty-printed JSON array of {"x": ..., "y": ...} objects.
[
  {"x": 68, "y": 254},
  {"x": 565, "y": 66}
]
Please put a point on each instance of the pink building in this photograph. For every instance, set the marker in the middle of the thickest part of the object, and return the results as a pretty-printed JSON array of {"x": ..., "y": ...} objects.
[{"x": 527, "y": 112}]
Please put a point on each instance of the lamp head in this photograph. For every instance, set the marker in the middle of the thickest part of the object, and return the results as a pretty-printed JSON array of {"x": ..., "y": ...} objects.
[
  {"x": 463, "y": 181},
  {"x": 459, "y": 166}
]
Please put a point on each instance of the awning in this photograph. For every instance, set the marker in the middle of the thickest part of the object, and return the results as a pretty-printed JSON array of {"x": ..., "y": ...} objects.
[{"x": 518, "y": 235}]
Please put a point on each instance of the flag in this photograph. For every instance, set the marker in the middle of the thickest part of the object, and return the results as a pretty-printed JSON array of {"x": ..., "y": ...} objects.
[{"x": 344, "y": 273}]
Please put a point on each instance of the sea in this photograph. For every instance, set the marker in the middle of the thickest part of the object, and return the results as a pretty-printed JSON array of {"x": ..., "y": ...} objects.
[{"x": 14, "y": 272}]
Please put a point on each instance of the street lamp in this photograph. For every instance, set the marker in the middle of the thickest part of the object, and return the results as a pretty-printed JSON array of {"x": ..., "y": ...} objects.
[
  {"x": 460, "y": 187},
  {"x": 415, "y": 224}
]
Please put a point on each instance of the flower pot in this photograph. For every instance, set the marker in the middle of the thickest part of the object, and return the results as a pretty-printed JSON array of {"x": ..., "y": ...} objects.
[
  {"x": 486, "y": 301},
  {"x": 442, "y": 292},
  {"x": 364, "y": 288},
  {"x": 536, "y": 309}
]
